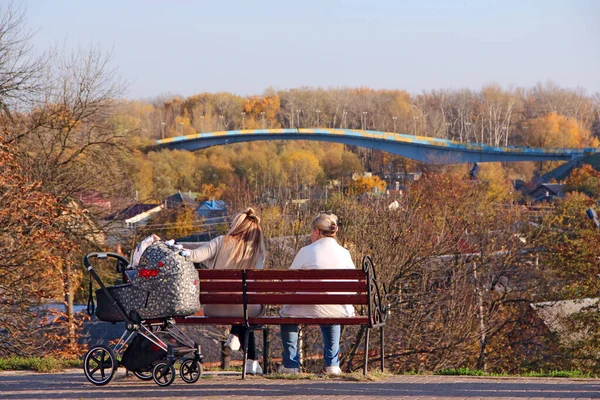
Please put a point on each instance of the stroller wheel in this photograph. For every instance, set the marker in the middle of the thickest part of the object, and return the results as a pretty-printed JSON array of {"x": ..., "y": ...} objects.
[
  {"x": 190, "y": 370},
  {"x": 163, "y": 374},
  {"x": 143, "y": 375},
  {"x": 100, "y": 365}
]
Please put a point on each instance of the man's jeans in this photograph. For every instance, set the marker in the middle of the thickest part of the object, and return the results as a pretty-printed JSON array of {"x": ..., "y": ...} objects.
[{"x": 331, "y": 345}]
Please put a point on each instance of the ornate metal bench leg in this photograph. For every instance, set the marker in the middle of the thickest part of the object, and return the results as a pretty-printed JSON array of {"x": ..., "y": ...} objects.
[{"x": 366, "y": 351}]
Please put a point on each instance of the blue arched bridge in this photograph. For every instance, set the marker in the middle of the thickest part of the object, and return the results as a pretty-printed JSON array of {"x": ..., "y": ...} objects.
[{"x": 421, "y": 148}]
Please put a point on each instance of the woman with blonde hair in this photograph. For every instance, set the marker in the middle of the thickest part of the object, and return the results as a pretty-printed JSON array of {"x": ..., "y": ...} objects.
[
  {"x": 324, "y": 252},
  {"x": 242, "y": 247}
]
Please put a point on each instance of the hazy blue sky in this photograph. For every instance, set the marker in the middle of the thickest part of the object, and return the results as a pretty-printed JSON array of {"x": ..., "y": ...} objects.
[{"x": 187, "y": 47}]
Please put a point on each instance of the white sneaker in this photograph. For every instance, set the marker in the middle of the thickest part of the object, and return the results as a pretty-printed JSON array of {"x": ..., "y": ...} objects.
[
  {"x": 253, "y": 367},
  {"x": 333, "y": 370},
  {"x": 233, "y": 342},
  {"x": 284, "y": 370}
]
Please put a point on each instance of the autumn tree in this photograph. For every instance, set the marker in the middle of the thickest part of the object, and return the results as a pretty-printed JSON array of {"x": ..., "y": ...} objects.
[
  {"x": 21, "y": 72},
  {"x": 496, "y": 181},
  {"x": 256, "y": 110},
  {"x": 585, "y": 180},
  {"x": 35, "y": 262},
  {"x": 570, "y": 243},
  {"x": 555, "y": 130},
  {"x": 337, "y": 162},
  {"x": 302, "y": 167},
  {"x": 366, "y": 184}
]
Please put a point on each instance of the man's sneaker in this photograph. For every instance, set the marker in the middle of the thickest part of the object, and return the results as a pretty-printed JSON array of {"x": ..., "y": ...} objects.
[
  {"x": 333, "y": 370},
  {"x": 253, "y": 367},
  {"x": 233, "y": 342},
  {"x": 284, "y": 370}
]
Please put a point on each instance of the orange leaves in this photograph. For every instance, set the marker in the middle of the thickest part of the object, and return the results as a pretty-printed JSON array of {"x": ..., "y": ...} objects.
[
  {"x": 585, "y": 180},
  {"x": 254, "y": 107},
  {"x": 34, "y": 250}
]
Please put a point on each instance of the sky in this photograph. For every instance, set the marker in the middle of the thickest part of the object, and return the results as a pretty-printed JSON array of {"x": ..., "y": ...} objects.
[{"x": 185, "y": 47}]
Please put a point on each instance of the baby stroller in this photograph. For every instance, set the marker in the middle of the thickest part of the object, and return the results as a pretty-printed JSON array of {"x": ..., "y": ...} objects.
[{"x": 164, "y": 285}]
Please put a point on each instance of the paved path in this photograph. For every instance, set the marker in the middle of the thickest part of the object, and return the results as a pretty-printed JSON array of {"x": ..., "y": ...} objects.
[{"x": 72, "y": 384}]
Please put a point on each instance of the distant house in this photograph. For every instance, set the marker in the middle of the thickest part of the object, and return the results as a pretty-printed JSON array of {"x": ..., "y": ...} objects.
[
  {"x": 93, "y": 199},
  {"x": 213, "y": 211},
  {"x": 135, "y": 214},
  {"x": 85, "y": 225},
  {"x": 180, "y": 200},
  {"x": 555, "y": 314},
  {"x": 547, "y": 192}
]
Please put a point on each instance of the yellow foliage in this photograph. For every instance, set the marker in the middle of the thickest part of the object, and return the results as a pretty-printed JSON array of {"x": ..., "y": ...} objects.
[
  {"x": 209, "y": 191},
  {"x": 367, "y": 184},
  {"x": 301, "y": 165},
  {"x": 498, "y": 185},
  {"x": 558, "y": 131},
  {"x": 183, "y": 127}
]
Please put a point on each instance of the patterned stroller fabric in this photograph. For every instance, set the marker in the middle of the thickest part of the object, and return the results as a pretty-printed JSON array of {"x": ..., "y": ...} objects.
[{"x": 165, "y": 284}]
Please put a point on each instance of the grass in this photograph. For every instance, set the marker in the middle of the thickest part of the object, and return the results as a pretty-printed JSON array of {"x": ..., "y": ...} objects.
[
  {"x": 462, "y": 371},
  {"x": 38, "y": 364},
  {"x": 560, "y": 374},
  {"x": 533, "y": 374}
]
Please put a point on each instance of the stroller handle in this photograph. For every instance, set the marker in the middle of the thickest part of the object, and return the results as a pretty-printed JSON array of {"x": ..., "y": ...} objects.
[{"x": 103, "y": 256}]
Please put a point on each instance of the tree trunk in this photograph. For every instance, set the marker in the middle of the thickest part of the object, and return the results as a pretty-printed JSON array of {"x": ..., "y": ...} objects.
[
  {"x": 68, "y": 291},
  {"x": 481, "y": 361}
]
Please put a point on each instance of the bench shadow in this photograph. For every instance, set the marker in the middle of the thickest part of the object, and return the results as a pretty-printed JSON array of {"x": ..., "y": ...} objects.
[{"x": 75, "y": 386}]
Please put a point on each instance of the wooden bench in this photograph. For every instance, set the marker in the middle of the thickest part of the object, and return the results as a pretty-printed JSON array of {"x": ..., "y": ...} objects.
[{"x": 277, "y": 287}]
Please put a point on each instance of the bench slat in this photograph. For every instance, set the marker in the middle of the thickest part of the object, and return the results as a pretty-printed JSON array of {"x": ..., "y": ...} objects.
[
  {"x": 219, "y": 273},
  {"x": 291, "y": 298},
  {"x": 306, "y": 274},
  {"x": 220, "y": 286},
  {"x": 303, "y": 274},
  {"x": 283, "y": 287},
  {"x": 273, "y": 321}
]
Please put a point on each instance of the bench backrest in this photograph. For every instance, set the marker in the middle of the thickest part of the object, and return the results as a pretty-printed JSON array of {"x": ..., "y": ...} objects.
[{"x": 332, "y": 286}]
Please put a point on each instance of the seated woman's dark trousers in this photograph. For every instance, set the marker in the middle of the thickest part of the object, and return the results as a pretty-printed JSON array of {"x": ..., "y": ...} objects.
[{"x": 240, "y": 332}]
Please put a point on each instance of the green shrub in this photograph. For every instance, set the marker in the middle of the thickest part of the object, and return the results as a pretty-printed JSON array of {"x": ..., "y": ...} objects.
[
  {"x": 461, "y": 371},
  {"x": 559, "y": 374},
  {"x": 39, "y": 364}
]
